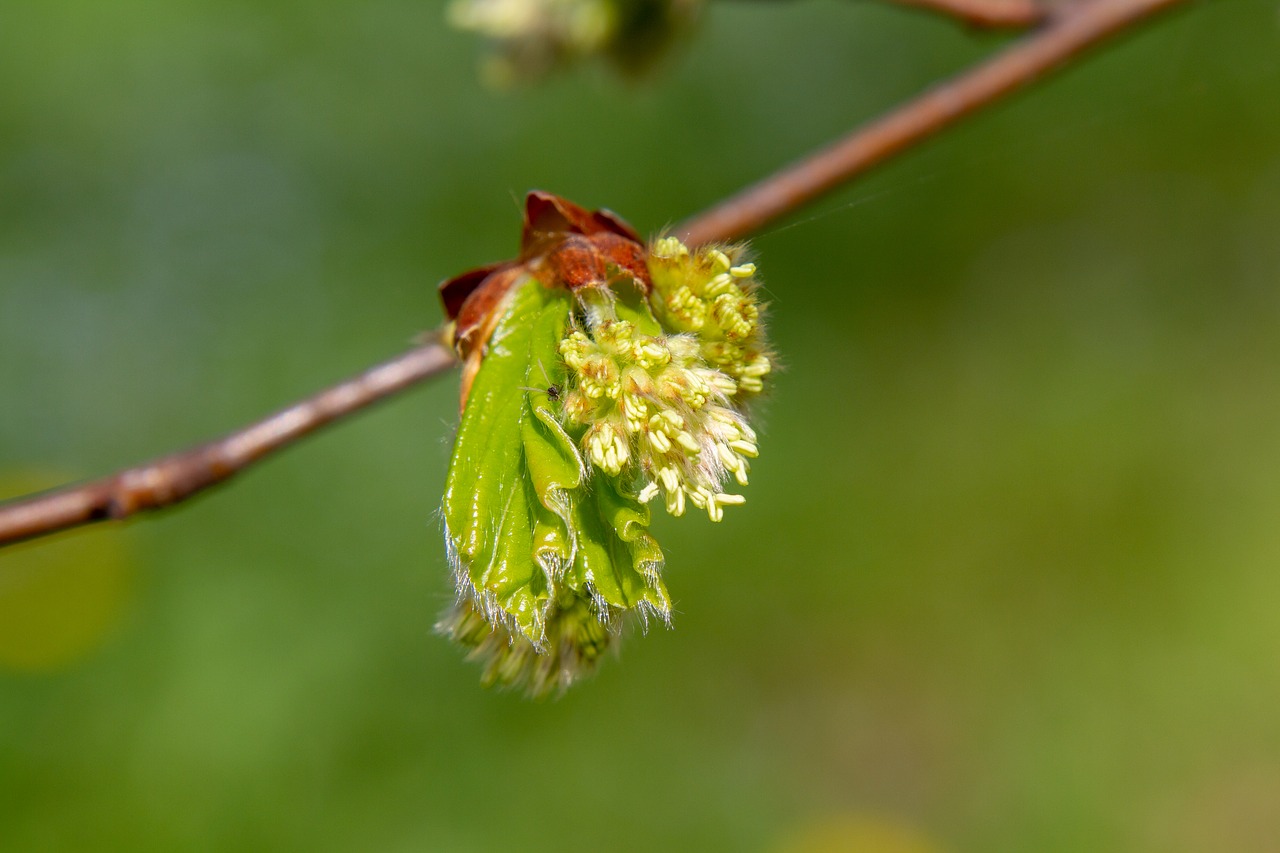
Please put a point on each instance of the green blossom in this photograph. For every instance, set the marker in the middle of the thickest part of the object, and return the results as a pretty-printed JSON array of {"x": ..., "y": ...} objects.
[
  {"x": 586, "y": 405},
  {"x": 710, "y": 294},
  {"x": 574, "y": 641},
  {"x": 656, "y": 415}
]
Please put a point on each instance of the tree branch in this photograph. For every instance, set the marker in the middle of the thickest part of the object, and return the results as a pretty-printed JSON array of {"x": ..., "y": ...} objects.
[
  {"x": 986, "y": 13},
  {"x": 1074, "y": 29},
  {"x": 174, "y": 478}
]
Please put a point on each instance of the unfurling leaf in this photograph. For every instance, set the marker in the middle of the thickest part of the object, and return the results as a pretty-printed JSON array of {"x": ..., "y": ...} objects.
[{"x": 597, "y": 375}]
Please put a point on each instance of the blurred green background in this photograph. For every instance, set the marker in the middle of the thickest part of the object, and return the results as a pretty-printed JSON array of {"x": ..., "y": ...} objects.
[{"x": 1008, "y": 577}]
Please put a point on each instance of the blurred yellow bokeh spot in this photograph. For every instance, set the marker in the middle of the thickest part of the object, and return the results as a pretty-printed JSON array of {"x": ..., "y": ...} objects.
[
  {"x": 856, "y": 833},
  {"x": 61, "y": 596}
]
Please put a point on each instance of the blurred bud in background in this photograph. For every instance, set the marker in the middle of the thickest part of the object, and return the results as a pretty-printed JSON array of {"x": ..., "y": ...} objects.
[{"x": 530, "y": 38}]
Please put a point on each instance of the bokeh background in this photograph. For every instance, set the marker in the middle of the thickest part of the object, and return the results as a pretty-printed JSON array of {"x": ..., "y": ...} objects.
[{"x": 1008, "y": 577}]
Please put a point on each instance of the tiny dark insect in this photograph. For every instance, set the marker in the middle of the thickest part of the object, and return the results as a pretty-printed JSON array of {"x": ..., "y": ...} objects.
[{"x": 552, "y": 391}]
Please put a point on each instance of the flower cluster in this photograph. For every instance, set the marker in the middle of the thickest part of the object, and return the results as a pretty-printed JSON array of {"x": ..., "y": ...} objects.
[
  {"x": 575, "y": 641},
  {"x": 601, "y": 374},
  {"x": 659, "y": 410},
  {"x": 711, "y": 296}
]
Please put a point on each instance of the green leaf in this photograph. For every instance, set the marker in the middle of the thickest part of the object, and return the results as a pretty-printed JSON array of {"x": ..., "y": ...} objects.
[
  {"x": 507, "y": 493},
  {"x": 625, "y": 567},
  {"x": 533, "y": 538}
]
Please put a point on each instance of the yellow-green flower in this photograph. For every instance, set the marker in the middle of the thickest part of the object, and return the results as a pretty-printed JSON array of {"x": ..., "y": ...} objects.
[
  {"x": 590, "y": 399},
  {"x": 657, "y": 416},
  {"x": 711, "y": 293},
  {"x": 574, "y": 642}
]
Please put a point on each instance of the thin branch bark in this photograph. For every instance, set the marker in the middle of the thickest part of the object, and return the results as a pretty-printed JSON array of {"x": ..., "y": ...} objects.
[
  {"x": 174, "y": 478},
  {"x": 1011, "y": 14},
  {"x": 987, "y": 14},
  {"x": 1074, "y": 29}
]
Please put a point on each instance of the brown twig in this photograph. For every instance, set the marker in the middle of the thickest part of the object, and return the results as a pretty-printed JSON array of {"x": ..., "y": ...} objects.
[
  {"x": 174, "y": 478},
  {"x": 1074, "y": 29},
  {"x": 987, "y": 13}
]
